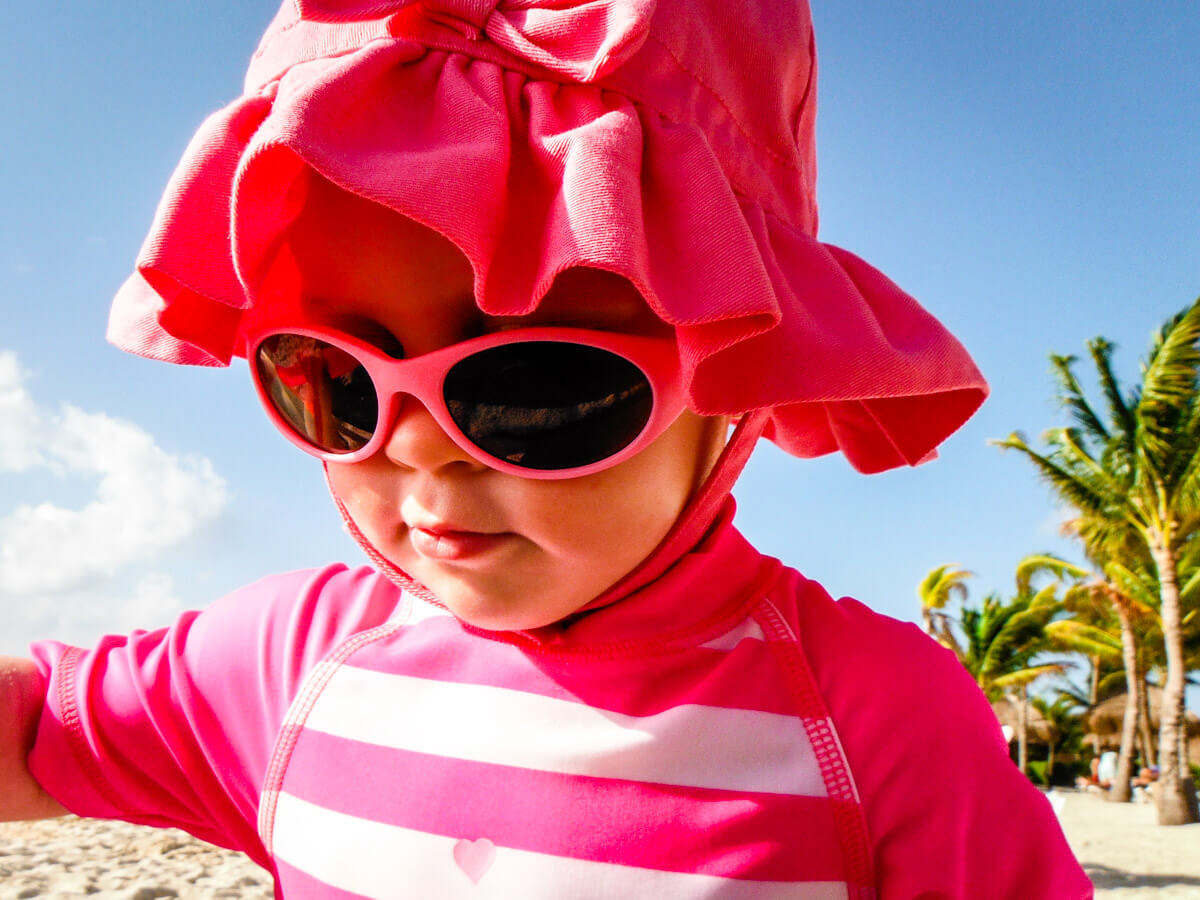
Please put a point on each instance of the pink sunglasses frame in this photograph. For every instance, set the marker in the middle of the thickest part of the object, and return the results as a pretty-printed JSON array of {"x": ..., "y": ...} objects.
[{"x": 422, "y": 377}]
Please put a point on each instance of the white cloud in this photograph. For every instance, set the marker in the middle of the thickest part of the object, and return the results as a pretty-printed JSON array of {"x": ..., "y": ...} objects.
[
  {"x": 80, "y": 617},
  {"x": 145, "y": 501},
  {"x": 153, "y": 603},
  {"x": 20, "y": 419}
]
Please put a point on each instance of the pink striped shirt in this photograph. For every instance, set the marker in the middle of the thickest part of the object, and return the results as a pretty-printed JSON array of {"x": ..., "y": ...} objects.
[{"x": 730, "y": 731}]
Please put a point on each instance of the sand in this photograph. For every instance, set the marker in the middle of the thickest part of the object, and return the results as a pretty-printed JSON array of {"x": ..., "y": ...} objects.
[
  {"x": 115, "y": 861},
  {"x": 1126, "y": 854}
]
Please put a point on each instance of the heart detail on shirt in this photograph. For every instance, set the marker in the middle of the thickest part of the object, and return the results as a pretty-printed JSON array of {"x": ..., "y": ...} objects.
[{"x": 475, "y": 857}]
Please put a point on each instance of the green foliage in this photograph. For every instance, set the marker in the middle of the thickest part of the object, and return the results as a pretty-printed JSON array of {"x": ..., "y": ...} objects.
[
  {"x": 936, "y": 590},
  {"x": 1133, "y": 479},
  {"x": 1137, "y": 468},
  {"x": 997, "y": 642},
  {"x": 1072, "y": 634},
  {"x": 1046, "y": 563},
  {"x": 1061, "y": 714}
]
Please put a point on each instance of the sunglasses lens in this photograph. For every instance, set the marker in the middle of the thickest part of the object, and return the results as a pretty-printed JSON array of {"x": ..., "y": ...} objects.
[
  {"x": 322, "y": 391},
  {"x": 548, "y": 405}
]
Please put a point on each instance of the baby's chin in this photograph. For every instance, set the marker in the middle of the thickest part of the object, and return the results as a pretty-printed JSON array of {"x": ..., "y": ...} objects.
[{"x": 504, "y": 611}]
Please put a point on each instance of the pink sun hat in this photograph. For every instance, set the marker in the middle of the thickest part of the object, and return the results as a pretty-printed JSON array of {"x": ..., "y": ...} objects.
[{"x": 670, "y": 142}]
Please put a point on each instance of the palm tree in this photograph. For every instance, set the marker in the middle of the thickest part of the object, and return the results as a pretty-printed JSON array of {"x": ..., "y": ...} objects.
[
  {"x": 1133, "y": 584},
  {"x": 997, "y": 643},
  {"x": 1094, "y": 632},
  {"x": 1136, "y": 478},
  {"x": 1128, "y": 611},
  {"x": 1117, "y": 588},
  {"x": 936, "y": 590},
  {"x": 1062, "y": 719}
]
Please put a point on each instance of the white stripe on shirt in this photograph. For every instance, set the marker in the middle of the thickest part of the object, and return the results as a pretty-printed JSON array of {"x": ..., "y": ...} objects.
[
  {"x": 688, "y": 745},
  {"x": 424, "y": 865}
]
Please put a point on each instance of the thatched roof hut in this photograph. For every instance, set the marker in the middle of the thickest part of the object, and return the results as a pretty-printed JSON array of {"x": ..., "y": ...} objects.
[
  {"x": 1036, "y": 729},
  {"x": 1108, "y": 716},
  {"x": 1104, "y": 722}
]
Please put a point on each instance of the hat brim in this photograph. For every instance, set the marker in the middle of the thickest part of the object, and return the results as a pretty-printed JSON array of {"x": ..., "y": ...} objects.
[{"x": 529, "y": 178}]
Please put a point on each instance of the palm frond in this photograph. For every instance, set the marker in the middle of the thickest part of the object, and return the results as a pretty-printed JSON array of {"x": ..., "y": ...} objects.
[
  {"x": 1139, "y": 589},
  {"x": 1071, "y": 634},
  {"x": 1072, "y": 489},
  {"x": 1046, "y": 599},
  {"x": 1180, "y": 475},
  {"x": 1077, "y": 697},
  {"x": 1189, "y": 586},
  {"x": 1168, "y": 387},
  {"x": 1185, "y": 478},
  {"x": 1113, "y": 683},
  {"x": 1119, "y": 409},
  {"x": 1025, "y": 676},
  {"x": 1069, "y": 453},
  {"x": 1039, "y": 563},
  {"x": 1060, "y": 711},
  {"x": 1071, "y": 396},
  {"x": 942, "y": 584}
]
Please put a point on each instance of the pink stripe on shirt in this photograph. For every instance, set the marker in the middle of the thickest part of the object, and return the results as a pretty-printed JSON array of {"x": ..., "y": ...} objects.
[
  {"x": 746, "y": 677},
  {"x": 772, "y": 837}
]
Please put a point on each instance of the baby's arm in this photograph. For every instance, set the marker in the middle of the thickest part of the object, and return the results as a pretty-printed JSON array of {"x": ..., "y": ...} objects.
[
  {"x": 947, "y": 811},
  {"x": 22, "y": 692},
  {"x": 176, "y": 727}
]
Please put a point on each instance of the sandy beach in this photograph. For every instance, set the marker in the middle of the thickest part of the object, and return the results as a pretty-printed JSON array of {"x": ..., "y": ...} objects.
[
  {"x": 1126, "y": 854},
  {"x": 115, "y": 861}
]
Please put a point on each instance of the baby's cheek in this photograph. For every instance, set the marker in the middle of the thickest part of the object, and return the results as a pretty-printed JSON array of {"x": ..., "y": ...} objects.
[
  {"x": 360, "y": 493},
  {"x": 603, "y": 529}
]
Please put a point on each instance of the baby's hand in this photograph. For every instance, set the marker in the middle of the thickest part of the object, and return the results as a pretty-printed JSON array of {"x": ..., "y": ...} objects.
[{"x": 22, "y": 695}]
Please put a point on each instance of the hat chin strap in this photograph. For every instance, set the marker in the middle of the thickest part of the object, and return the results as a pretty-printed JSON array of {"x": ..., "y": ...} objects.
[{"x": 698, "y": 516}]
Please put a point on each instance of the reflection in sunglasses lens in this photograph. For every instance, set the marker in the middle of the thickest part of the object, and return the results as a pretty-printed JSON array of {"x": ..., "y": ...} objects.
[
  {"x": 548, "y": 404},
  {"x": 320, "y": 390}
]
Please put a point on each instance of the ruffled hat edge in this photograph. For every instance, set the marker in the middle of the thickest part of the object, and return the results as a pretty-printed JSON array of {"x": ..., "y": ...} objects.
[{"x": 766, "y": 315}]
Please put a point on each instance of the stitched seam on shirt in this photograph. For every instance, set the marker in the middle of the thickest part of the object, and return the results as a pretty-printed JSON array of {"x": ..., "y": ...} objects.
[
  {"x": 314, "y": 684},
  {"x": 73, "y": 726},
  {"x": 847, "y": 809}
]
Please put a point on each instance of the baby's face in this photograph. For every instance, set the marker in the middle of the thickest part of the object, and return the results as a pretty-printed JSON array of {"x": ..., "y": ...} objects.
[{"x": 501, "y": 551}]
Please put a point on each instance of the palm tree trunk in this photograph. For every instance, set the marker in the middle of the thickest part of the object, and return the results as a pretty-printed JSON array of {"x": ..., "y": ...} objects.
[
  {"x": 1149, "y": 752},
  {"x": 1120, "y": 791},
  {"x": 1050, "y": 765},
  {"x": 1022, "y": 728},
  {"x": 1094, "y": 700},
  {"x": 1175, "y": 793}
]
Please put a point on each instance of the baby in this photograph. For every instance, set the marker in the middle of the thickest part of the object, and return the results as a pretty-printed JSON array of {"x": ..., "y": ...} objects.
[{"x": 531, "y": 278}]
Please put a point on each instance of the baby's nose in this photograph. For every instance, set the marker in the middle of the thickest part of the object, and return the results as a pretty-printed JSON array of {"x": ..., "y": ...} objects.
[{"x": 416, "y": 441}]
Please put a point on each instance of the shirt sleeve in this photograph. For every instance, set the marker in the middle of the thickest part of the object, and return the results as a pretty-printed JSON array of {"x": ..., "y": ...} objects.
[
  {"x": 948, "y": 813},
  {"x": 176, "y": 727}
]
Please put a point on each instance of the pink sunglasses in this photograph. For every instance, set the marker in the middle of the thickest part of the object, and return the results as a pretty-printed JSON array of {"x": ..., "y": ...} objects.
[{"x": 544, "y": 402}]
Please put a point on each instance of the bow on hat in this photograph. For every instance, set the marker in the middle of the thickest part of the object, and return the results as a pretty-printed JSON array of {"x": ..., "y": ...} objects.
[{"x": 581, "y": 39}]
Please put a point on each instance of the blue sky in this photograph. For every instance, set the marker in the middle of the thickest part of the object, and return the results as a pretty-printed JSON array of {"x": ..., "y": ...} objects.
[{"x": 1027, "y": 170}]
